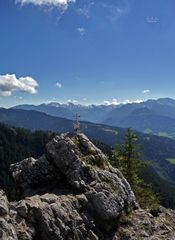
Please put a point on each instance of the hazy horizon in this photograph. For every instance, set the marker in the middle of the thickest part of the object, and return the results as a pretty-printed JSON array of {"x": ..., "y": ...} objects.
[{"x": 113, "y": 102}]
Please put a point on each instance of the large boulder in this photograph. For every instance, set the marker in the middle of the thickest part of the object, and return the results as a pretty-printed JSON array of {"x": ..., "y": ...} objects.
[
  {"x": 88, "y": 170},
  {"x": 72, "y": 192}
]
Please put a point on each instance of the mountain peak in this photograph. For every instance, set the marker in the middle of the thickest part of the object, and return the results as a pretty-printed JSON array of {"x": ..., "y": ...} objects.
[{"x": 166, "y": 101}]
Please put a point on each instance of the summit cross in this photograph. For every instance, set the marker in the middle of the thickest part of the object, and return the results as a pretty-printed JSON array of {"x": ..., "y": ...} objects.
[{"x": 76, "y": 124}]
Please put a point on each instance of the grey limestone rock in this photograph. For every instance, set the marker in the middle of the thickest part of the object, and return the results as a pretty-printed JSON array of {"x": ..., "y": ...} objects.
[
  {"x": 7, "y": 230},
  {"x": 87, "y": 169}
]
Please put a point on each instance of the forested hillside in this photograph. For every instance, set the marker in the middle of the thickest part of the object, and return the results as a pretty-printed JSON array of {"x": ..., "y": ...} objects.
[{"x": 15, "y": 145}]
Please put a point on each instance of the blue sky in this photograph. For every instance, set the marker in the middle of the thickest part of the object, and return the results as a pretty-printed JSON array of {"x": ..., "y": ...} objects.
[{"x": 89, "y": 51}]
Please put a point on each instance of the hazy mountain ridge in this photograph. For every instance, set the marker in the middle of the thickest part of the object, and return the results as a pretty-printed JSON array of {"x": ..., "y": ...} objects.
[
  {"x": 94, "y": 113},
  {"x": 151, "y": 116}
]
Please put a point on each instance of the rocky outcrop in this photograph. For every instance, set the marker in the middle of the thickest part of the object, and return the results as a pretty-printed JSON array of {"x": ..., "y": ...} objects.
[
  {"x": 143, "y": 225},
  {"x": 35, "y": 176},
  {"x": 7, "y": 230},
  {"x": 87, "y": 170},
  {"x": 72, "y": 192}
]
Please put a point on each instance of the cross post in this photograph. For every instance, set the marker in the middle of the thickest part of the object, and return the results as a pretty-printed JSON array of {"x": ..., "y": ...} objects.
[{"x": 76, "y": 124}]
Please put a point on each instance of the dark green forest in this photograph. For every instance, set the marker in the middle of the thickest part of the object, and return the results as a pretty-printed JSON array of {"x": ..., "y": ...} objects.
[{"x": 15, "y": 145}]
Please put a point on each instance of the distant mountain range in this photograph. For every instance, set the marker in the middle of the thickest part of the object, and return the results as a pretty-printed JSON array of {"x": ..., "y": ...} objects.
[
  {"x": 152, "y": 116},
  {"x": 92, "y": 113},
  {"x": 160, "y": 151}
]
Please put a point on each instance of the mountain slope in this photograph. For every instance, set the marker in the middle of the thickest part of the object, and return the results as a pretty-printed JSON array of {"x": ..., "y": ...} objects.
[
  {"x": 145, "y": 120},
  {"x": 152, "y": 116}
]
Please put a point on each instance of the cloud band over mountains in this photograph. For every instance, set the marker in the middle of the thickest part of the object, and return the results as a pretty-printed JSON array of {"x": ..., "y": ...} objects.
[{"x": 10, "y": 83}]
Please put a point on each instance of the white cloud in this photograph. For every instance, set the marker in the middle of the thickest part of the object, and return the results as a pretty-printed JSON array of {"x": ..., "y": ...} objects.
[
  {"x": 9, "y": 83},
  {"x": 127, "y": 101},
  {"x": 112, "y": 102},
  {"x": 115, "y": 102},
  {"x": 81, "y": 31},
  {"x": 72, "y": 101},
  {"x": 106, "y": 102},
  {"x": 63, "y": 4},
  {"x": 59, "y": 85},
  {"x": 146, "y": 91},
  {"x": 138, "y": 101}
]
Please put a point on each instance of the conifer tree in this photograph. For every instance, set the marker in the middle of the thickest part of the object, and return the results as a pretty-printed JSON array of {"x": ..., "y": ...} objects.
[{"x": 126, "y": 158}]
